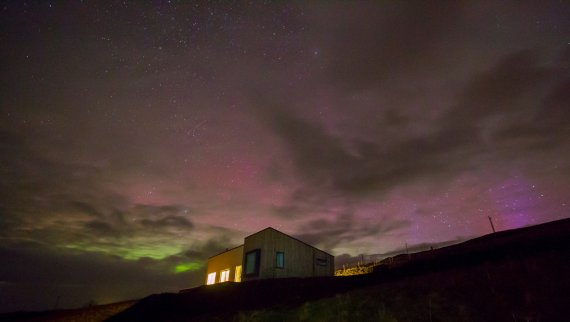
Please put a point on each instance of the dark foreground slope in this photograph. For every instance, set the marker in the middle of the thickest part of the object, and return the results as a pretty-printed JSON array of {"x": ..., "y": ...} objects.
[
  {"x": 517, "y": 275},
  {"x": 90, "y": 314}
]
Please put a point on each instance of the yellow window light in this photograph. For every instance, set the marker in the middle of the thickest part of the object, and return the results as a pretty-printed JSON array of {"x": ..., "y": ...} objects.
[
  {"x": 237, "y": 278},
  {"x": 225, "y": 275},
  {"x": 211, "y": 278}
]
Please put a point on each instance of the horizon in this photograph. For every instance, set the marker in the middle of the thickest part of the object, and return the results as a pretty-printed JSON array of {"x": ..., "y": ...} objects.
[{"x": 137, "y": 140}]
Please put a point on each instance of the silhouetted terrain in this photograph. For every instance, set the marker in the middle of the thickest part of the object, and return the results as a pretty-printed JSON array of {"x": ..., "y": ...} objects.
[
  {"x": 517, "y": 275},
  {"x": 89, "y": 314}
]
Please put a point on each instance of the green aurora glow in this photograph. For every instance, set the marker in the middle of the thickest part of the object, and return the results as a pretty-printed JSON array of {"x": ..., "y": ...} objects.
[
  {"x": 189, "y": 266},
  {"x": 156, "y": 252}
]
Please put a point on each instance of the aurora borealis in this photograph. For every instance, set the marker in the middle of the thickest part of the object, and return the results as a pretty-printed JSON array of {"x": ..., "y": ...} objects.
[{"x": 137, "y": 140}]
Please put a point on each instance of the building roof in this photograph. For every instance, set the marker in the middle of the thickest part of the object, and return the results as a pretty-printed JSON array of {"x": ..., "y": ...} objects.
[{"x": 289, "y": 237}]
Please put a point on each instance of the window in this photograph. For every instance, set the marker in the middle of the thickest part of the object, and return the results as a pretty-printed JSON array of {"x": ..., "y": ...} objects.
[
  {"x": 238, "y": 274},
  {"x": 280, "y": 260},
  {"x": 252, "y": 263},
  {"x": 322, "y": 261},
  {"x": 225, "y": 275},
  {"x": 211, "y": 278}
]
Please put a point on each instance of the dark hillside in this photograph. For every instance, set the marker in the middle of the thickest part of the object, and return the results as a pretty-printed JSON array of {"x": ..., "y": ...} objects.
[
  {"x": 89, "y": 314},
  {"x": 517, "y": 275},
  {"x": 510, "y": 244}
]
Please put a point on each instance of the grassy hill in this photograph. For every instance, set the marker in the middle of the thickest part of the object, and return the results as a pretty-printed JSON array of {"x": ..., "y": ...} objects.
[{"x": 516, "y": 275}]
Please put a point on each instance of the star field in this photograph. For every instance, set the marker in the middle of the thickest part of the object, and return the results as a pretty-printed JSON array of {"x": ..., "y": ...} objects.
[{"x": 136, "y": 140}]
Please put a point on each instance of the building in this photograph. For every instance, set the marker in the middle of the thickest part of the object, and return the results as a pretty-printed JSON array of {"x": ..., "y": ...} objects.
[
  {"x": 225, "y": 267},
  {"x": 269, "y": 254}
]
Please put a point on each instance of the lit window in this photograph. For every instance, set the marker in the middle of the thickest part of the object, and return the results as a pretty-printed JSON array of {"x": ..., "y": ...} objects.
[
  {"x": 280, "y": 260},
  {"x": 252, "y": 263},
  {"x": 211, "y": 278},
  {"x": 238, "y": 274},
  {"x": 225, "y": 275}
]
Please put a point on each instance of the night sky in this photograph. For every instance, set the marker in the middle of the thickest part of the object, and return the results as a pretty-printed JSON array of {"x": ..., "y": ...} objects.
[{"x": 137, "y": 140}]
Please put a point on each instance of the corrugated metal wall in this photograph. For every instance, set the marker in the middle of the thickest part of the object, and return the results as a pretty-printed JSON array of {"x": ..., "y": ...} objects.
[{"x": 301, "y": 260}]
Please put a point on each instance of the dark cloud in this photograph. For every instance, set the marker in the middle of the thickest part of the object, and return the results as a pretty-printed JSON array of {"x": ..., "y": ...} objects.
[
  {"x": 289, "y": 211},
  {"x": 94, "y": 272},
  {"x": 86, "y": 208},
  {"x": 56, "y": 186},
  {"x": 344, "y": 229},
  {"x": 377, "y": 44},
  {"x": 209, "y": 248},
  {"x": 76, "y": 277},
  {"x": 324, "y": 162},
  {"x": 514, "y": 91},
  {"x": 160, "y": 211},
  {"x": 499, "y": 89},
  {"x": 507, "y": 92},
  {"x": 100, "y": 228},
  {"x": 514, "y": 108},
  {"x": 548, "y": 127},
  {"x": 168, "y": 221}
]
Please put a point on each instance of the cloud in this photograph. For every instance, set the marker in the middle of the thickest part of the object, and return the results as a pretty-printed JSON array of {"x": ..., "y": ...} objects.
[
  {"x": 168, "y": 221},
  {"x": 78, "y": 277},
  {"x": 99, "y": 228},
  {"x": 375, "y": 45},
  {"x": 325, "y": 164},
  {"x": 209, "y": 248},
  {"x": 68, "y": 204},
  {"x": 506, "y": 92},
  {"x": 289, "y": 211},
  {"x": 112, "y": 260},
  {"x": 86, "y": 208},
  {"x": 346, "y": 228},
  {"x": 519, "y": 94},
  {"x": 162, "y": 217},
  {"x": 547, "y": 128},
  {"x": 515, "y": 109},
  {"x": 33, "y": 181}
]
